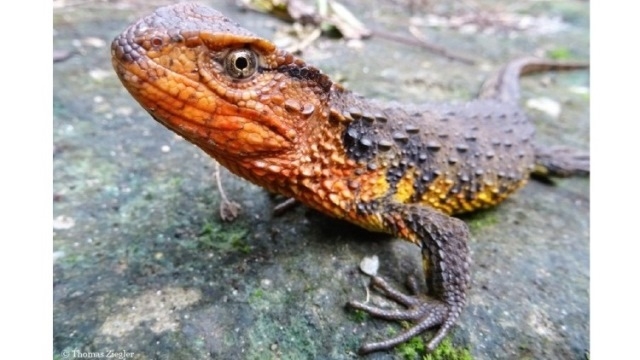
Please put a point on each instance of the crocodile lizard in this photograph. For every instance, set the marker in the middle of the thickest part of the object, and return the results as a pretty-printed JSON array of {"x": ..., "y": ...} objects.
[{"x": 280, "y": 123}]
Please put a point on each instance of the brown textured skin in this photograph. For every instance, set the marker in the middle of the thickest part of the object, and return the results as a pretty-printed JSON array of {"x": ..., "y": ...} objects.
[{"x": 399, "y": 169}]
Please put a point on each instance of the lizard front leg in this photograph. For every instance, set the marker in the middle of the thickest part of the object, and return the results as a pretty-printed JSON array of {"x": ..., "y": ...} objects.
[{"x": 443, "y": 241}]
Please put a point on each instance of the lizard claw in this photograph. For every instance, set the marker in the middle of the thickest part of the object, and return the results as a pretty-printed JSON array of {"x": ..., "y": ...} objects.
[{"x": 424, "y": 312}]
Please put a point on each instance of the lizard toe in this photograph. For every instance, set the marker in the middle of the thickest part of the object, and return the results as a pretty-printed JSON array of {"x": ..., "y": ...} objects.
[{"x": 422, "y": 311}]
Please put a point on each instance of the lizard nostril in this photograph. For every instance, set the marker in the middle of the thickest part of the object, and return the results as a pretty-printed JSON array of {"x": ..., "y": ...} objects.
[{"x": 156, "y": 41}]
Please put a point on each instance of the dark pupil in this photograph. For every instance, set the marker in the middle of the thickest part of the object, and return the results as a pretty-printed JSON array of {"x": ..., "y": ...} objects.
[{"x": 242, "y": 63}]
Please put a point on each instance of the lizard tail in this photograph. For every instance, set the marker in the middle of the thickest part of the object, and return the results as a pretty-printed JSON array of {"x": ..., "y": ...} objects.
[{"x": 504, "y": 84}]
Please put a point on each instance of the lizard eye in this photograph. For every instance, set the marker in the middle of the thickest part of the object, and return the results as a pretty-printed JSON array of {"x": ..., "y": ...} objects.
[{"x": 240, "y": 64}]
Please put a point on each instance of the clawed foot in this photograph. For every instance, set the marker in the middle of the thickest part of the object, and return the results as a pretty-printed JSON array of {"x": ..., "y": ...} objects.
[{"x": 424, "y": 312}]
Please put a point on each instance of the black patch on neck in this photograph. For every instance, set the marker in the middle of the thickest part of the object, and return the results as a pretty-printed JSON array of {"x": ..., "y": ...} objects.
[{"x": 307, "y": 73}]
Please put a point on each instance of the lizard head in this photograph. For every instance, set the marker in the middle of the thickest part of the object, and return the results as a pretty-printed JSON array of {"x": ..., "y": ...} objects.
[{"x": 233, "y": 94}]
